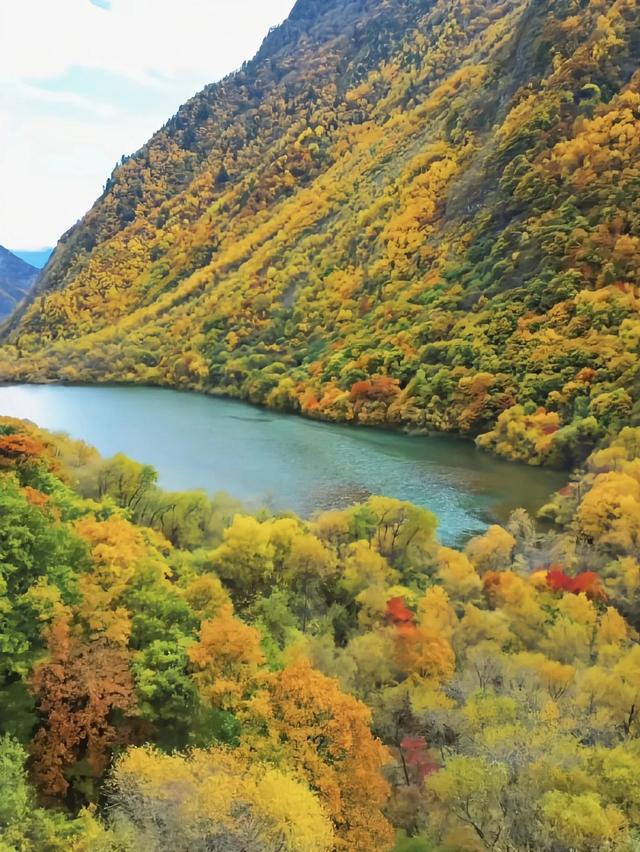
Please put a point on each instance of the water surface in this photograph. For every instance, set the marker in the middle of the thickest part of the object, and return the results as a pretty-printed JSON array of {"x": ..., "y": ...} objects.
[{"x": 258, "y": 456}]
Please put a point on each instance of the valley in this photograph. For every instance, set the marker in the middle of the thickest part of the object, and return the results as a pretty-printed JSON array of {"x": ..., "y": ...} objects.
[{"x": 320, "y": 444}]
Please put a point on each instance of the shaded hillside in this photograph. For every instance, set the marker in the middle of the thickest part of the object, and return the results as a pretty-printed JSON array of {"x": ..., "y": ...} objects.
[
  {"x": 404, "y": 211},
  {"x": 16, "y": 279}
]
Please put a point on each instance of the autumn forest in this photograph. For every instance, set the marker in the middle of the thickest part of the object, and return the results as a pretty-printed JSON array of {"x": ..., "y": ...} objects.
[{"x": 404, "y": 214}]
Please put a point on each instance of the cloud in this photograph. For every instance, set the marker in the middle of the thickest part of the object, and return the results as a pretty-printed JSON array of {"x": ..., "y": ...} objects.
[
  {"x": 51, "y": 172},
  {"x": 73, "y": 99},
  {"x": 79, "y": 88},
  {"x": 139, "y": 38}
]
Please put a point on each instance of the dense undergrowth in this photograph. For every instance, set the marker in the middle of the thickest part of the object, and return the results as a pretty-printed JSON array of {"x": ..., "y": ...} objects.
[
  {"x": 407, "y": 211},
  {"x": 177, "y": 673}
]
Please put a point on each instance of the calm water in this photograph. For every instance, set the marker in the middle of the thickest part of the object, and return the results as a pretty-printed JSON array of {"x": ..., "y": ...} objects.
[{"x": 261, "y": 457}]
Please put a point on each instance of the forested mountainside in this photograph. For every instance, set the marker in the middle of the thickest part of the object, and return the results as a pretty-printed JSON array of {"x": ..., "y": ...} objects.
[
  {"x": 178, "y": 674},
  {"x": 422, "y": 212},
  {"x": 16, "y": 279}
]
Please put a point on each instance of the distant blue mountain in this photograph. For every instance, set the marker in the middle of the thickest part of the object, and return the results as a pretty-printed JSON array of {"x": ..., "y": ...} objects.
[
  {"x": 16, "y": 279},
  {"x": 35, "y": 258}
]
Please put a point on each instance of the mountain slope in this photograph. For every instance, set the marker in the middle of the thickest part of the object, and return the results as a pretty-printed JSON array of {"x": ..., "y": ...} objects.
[
  {"x": 16, "y": 279},
  {"x": 400, "y": 211}
]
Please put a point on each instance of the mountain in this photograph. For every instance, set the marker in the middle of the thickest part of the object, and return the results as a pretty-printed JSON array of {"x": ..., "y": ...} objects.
[
  {"x": 16, "y": 280},
  {"x": 37, "y": 257},
  {"x": 400, "y": 211}
]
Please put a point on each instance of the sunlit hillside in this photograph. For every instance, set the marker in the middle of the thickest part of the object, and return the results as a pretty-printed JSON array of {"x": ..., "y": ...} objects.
[{"x": 400, "y": 211}]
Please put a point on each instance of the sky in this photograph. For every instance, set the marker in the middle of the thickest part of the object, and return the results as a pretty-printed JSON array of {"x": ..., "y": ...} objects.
[{"x": 83, "y": 82}]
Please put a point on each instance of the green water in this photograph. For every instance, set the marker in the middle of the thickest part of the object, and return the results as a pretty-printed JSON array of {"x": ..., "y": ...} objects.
[{"x": 260, "y": 457}]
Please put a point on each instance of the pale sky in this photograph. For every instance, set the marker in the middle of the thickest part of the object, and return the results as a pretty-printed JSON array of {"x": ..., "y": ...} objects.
[{"x": 84, "y": 81}]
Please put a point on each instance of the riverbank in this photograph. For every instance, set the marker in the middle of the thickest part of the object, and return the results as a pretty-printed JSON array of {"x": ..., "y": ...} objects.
[{"x": 390, "y": 427}]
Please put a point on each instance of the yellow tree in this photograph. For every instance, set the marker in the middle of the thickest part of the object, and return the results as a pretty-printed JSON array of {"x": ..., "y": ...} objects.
[
  {"x": 312, "y": 725},
  {"x": 215, "y": 799},
  {"x": 245, "y": 559},
  {"x": 226, "y": 660},
  {"x": 457, "y": 574},
  {"x": 491, "y": 551},
  {"x": 116, "y": 548}
]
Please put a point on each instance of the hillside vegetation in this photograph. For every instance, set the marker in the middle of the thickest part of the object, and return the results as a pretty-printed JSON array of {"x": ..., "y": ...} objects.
[
  {"x": 178, "y": 674},
  {"x": 418, "y": 212}
]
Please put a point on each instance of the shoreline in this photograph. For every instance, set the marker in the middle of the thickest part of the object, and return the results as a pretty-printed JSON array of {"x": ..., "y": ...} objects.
[
  {"x": 498, "y": 476},
  {"x": 387, "y": 428}
]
